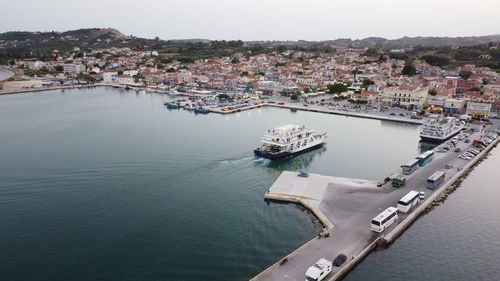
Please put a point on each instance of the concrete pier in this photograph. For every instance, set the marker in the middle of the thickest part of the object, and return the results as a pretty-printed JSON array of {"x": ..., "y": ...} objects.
[
  {"x": 322, "y": 109},
  {"x": 346, "y": 206}
]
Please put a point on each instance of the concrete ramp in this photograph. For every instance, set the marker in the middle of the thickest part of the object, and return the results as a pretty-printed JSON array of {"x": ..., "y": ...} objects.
[{"x": 310, "y": 191}]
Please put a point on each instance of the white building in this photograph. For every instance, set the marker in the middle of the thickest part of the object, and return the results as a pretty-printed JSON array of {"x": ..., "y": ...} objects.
[
  {"x": 74, "y": 68},
  {"x": 107, "y": 77}
]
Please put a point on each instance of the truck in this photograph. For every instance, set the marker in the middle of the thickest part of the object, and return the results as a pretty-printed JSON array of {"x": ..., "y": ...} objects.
[{"x": 319, "y": 270}]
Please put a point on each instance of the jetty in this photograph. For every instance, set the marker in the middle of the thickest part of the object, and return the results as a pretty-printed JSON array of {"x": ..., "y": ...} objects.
[{"x": 346, "y": 207}]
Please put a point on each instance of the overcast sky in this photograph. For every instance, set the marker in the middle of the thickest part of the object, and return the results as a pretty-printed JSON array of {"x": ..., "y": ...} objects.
[{"x": 258, "y": 19}]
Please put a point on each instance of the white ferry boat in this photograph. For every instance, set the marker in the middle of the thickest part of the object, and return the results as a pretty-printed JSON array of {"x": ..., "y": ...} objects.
[
  {"x": 288, "y": 140},
  {"x": 438, "y": 130}
]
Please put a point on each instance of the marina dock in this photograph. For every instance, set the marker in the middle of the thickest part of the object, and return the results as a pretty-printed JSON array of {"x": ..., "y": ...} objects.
[{"x": 346, "y": 206}]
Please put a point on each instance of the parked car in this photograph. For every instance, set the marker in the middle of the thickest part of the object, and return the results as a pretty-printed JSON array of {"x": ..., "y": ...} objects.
[
  {"x": 392, "y": 114},
  {"x": 457, "y": 149},
  {"x": 421, "y": 195},
  {"x": 339, "y": 260}
]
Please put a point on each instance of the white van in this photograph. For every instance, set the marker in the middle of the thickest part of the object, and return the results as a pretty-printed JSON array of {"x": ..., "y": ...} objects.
[{"x": 319, "y": 270}]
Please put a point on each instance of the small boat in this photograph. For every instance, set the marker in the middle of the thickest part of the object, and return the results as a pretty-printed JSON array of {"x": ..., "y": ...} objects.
[
  {"x": 170, "y": 105},
  {"x": 201, "y": 110},
  {"x": 303, "y": 174},
  {"x": 189, "y": 107}
]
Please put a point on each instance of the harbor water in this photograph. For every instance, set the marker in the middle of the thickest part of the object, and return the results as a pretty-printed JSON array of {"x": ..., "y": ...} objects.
[
  {"x": 108, "y": 184},
  {"x": 5, "y": 74}
]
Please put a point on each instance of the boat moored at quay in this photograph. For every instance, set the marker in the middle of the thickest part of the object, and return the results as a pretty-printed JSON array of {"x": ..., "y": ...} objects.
[
  {"x": 438, "y": 130},
  {"x": 171, "y": 105},
  {"x": 289, "y": 140}
]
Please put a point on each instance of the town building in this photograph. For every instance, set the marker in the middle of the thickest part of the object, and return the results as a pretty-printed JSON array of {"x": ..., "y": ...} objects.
[
  {"x": 406, "y": 96},
  {"x": 478, "y": 109},
  {"x": 73, "y": 68}
]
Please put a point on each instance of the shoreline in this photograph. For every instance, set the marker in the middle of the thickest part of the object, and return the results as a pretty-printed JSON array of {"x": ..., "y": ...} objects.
[
  {"x": 266, "y": 104},
  {"x": 7, "y": 69}
]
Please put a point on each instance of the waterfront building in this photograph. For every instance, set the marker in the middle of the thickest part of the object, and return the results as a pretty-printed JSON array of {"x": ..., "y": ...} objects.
[
  {"x": 479, "y": 109},
  {"x": 107, "y": 76},
  {"x": 370, "y": 97},
  {"x": 74, "y": 68},
  {"x": 407, "y": 96},
  {"x": 455, "y": 106},
  {"x": 437, "y": 102},
  {"x": 123, "y": 79},
  {"x": 477, "y": 126}
]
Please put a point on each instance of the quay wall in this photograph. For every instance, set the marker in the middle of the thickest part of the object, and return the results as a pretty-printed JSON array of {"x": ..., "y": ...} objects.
[
  {"x": 359, "y": 115},
  {"x": 29, "y": 90},
  {"x": 324, "y": 221}
]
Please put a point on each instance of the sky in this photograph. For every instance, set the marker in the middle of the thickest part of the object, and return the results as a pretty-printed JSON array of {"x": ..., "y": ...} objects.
[{"x": 258, "y": 19}]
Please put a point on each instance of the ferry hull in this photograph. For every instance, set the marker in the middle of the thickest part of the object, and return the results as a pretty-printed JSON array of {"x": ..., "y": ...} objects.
[
  {"x": 281, "y": 155},
  {"x": 432, "y": 140},
  {"x": 438, "y": 140}
]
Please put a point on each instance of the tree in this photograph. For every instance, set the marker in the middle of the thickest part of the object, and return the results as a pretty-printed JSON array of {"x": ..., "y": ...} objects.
[
  {"x": 244, "y": 73},
  {"x": 59, "y": 68},
  {"x": 235, "y": 61},
  {"x": 336, "y": 88},
  {"x": 409, "y": 69},
  {"x": 436, "y": 60},
  {"x": 86, "y": 77},
  {"x": 294, "y": 97},
  {"x": 465, "y": 75},
  {"x": 171, "y": 69},
  {"x": 432, "y": 92},
  {"x": 371, "y": 52},
  {"x": 367, "y": 82},
  {"x": 355, "y": 72},
  {"x": 138, "y": 77},
  {"x": 307, "y": 90},
  {"x": 223, "y": 97},
  {"x": 120, "y": 72},
  {"x": 485, "y": 81}
]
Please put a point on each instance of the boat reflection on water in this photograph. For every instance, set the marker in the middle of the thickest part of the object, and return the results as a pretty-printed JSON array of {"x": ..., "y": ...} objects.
[
  {"x": 425, "y": 146},
  {"x": 296, "y": 163}
]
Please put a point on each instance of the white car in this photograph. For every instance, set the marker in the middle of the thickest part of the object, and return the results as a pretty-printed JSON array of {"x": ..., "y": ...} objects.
[
  {"x": 319, "y": 270},
  {"x": 421, "y": 195}
]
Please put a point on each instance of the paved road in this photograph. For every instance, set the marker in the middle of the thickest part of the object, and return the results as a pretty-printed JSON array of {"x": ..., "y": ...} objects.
[{"x": 351, "y": 210}]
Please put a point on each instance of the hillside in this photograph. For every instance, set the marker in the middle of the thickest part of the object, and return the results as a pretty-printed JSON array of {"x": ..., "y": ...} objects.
[{"x": 41, "y": 45}]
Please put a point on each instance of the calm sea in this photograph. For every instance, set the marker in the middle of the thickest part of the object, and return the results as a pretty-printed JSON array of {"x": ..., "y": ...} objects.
[
  {"x": 104, "y": 184},
  {"x": 4, "y": 74}
]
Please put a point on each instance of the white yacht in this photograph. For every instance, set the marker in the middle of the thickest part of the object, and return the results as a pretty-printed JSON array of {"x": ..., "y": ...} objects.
[
  {"x": 440, "y": 129},
  {"x": 289, "y": 140}
]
